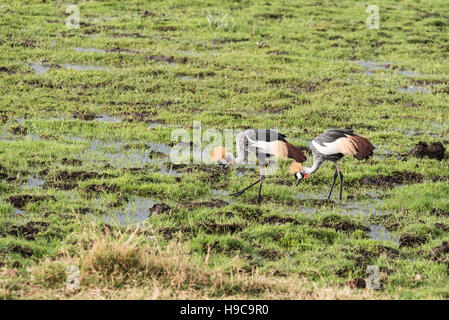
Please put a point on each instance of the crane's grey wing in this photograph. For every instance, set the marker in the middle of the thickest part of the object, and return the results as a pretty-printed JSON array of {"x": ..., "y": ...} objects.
[
  {"x": 343, "y": 142},
  {"x": 332, "y": 135}
]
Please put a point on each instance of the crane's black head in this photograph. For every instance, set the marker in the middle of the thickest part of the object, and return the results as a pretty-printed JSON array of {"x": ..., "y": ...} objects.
[
  {"x": 219, "y": 155},
  {"x": 300, "y": 176}
]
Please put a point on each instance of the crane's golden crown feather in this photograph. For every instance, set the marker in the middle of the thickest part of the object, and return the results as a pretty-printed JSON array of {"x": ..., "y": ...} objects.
[
  {"x": 217, "y": 153},
  {"x": 295, "y": 167}
]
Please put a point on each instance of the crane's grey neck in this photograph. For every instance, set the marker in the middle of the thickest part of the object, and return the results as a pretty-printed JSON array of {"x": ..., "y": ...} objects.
[
  {"x": 316, "y": 165},
  {"x": 234, "y": 160},
  {"x": 240, "y": 144}
]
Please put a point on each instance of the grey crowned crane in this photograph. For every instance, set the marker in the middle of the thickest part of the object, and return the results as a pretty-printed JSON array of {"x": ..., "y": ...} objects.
[
  {"x": 265, "y": 144},
  {"x": 333, "y": 145}
]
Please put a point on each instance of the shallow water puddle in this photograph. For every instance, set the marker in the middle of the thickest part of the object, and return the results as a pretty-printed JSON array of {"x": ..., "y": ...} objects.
[
  {"x": 414, "y": 89},
  {"x": 440, "y": 126},
  {"x": 40, "y": 68},
  {"x": 113, "y": 153},
  {"x": 379, "y": 233},
  {"x": 408, "y": 73},
  {"x": 187, "y": 78},
  {"x": 220, "y": 192},
  {"x": 18, "y": 211},
  {"x": 81, "y": 49},
  {"x": 362, "y": 208},
  {"x": 135, "y": 211},
  {"x": 107, "y": 118},
  {"x": 33, "y": 182},
  {"x": 370, "y": 65},
  {"x": 81, "y": 67},
  {"x": 170, "y": 172}
]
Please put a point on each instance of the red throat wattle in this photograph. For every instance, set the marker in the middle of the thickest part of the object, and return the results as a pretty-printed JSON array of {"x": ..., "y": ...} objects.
[{"x": 306, "y": 176}]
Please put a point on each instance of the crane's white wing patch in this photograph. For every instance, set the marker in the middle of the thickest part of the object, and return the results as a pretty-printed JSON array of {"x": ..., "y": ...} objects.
[
  {"x": 276, "y": 148},
  {"x": 261, "y": 145},
  {"x": 329, "y": 147}
]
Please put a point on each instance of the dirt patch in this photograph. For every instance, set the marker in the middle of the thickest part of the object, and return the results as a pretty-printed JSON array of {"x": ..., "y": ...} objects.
[
  {"x": 119, "y": 202},
  {"x": 145, "y": 116},
  {"x": 159, "y": 208},
  {"x": 19, "y": 130},
  {"x": 441, "y": 226},
  {"x": 271, "y": 15},
  {"x": 8, "y": 178},
  {"x": 230, "y": 40},
  {"x": 409, "y": 240},
  {"x": 49, "y": 137},
  {"x": 365, "y": 256},
  {"x": 67, "y": 180},
  {"x": 23, "y": 251},
  {"x": 439, "y": 212},
  {"x": 21, "y": 200},
  {"x": 207, "y": 227},
  {"x": 390, "y": 180},
  {"x": 270, "y": 254},
  {"x": 440, "y": 178},
  {"x": 316, "y": 203},
  {"x": 146, "y": 13},
  {"x": 338, "y": 223},
  {"x": 60, "y": 185},
  {"x": 121, "y": 50},
  {"x": 357, "y": 283},
  {"x": 102, "y": 188},
  {"x": 434, "y": 150},
  {"x": 214, "y": 203},
  {"x": 72, "y": 162},
  {"x": 6, "y": 70},
  {"x": 222, "y": 228},
  {"x": 278, "y": 53},
  {"x": 249, "y": 213},
  {"x": 166, "y": 28},
  {"x": 306, "y": 86},
  {"x": 189, "y": 168},
  {"x": 130, "y": 35},
  {"x": 390, "y": 252},
  {"x": 84, "y": 116},
  {"x": 156, "y": 58},
  {"x": 28, "y": 231},
  {"x": 80, "y": 175},
  {"x": 276, "y": 220}
]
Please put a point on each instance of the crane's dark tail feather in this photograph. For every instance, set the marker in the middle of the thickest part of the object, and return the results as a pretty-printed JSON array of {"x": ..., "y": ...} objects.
[
  {"x": 363, "y": 147},
  {"x": 295, "y": 153}
]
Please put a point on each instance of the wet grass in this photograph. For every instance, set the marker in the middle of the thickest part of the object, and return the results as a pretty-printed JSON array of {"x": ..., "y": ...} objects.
[{"x": 85, "y": 121}]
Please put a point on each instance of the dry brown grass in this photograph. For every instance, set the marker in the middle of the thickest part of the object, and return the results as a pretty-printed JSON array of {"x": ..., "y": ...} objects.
[{"x": 130, "y": 265}]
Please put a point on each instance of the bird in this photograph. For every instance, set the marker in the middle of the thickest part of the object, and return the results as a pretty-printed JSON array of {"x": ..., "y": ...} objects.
[
  {"x": 266, "y": 144},
  {"x": 332, "y": 145}
]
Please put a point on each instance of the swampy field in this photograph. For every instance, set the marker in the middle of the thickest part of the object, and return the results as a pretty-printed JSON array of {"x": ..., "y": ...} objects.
[{"x": 92, "y": 207}]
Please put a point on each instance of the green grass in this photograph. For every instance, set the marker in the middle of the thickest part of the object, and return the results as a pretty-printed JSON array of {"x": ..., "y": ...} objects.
[{"x": 289, "y": 65}]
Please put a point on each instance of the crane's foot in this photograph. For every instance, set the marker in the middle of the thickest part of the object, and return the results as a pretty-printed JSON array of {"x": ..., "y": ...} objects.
[
  {"x": 243, "y": 190},
  {"x": 236, "y": 194}
]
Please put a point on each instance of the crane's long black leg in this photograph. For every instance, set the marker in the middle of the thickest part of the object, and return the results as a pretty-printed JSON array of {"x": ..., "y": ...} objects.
[
  {"x": 341, "y": 184},
  {"x": 243, "y": 190},
  {"x": 259, "y": 198},
  {"x": 333, "y": 183}
]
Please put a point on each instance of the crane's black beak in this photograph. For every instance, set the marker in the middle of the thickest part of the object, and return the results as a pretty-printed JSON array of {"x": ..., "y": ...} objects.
[{"x": 222, "y": 165}]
